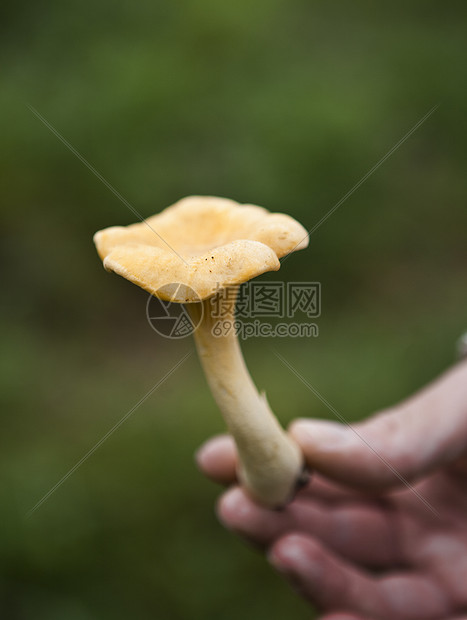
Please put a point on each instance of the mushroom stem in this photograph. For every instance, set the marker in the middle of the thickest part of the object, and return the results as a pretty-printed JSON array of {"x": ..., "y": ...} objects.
[{"x": 270, "y": 462}]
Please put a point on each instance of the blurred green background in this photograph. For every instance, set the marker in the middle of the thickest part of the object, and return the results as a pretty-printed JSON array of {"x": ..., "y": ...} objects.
[{"x": 286, "y": 104}]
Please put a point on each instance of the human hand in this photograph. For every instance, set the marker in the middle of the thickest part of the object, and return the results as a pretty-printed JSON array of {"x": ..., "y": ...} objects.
[{"x": 380, "y": 532}]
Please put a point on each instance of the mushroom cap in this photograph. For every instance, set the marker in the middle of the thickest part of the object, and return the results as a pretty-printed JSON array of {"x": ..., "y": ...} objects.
[{"x": 201, "y": 242}]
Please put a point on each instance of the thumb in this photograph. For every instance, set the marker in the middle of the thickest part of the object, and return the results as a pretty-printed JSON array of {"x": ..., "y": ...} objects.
[{"x": 402, "y": 443}]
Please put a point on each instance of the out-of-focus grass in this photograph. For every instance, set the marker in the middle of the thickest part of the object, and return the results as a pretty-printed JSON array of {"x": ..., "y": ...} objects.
[{"x": 286, "y": 104}]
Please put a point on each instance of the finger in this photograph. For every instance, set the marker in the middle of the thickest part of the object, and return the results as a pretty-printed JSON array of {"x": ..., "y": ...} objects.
[
  {"x": 363, "y": 534},
  {"x": 334, "y": 584},
  {"x": 428, "y": 430},
  {"x": 217, "y": 459},
  {"x": 322, "y": 488}
]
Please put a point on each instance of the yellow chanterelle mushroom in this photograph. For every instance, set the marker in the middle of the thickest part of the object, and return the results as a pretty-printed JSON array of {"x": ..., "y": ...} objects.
[{"x": 189, "y": 253}]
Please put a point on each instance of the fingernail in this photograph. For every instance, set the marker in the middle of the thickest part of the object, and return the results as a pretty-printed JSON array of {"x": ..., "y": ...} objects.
[
  {"x": 289, "y": 556},
  {"x": 233, "y": 507},
  {"x": 200, "y": 456},
  {"x": 205, "y": 452}
]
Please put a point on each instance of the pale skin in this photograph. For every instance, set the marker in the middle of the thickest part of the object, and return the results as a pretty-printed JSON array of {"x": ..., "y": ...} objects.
[{"x": 356, "y": 541}]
